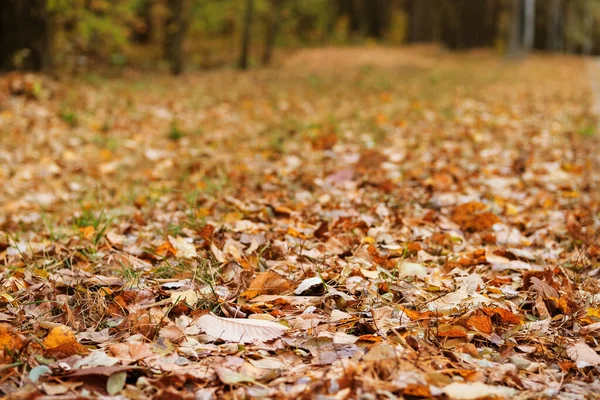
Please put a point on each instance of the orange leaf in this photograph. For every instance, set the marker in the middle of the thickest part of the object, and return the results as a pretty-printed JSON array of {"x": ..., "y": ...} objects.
[
  {"x": 268, "y": 282},
  {"x": 61, "y": 342},
  {"x": 505, "y": 316},
  {"x": 481, "y": 323},
  {"x": 87, "y": 232},
  {"x": 413, "y": 389},
  {"x": 452, "y": 331},
  {"x": 294, "y": 233},
  {"x": 166, "y": 248},
  {"x": 416, "y": 315},
  {"x": 11, "y": 341}
]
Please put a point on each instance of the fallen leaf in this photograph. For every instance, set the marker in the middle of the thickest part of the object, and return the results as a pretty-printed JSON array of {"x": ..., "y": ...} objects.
[
  {"x": 240, "y": 330},
  {"x": 61, "y": 342},
  {"x": 309, "y": 286},
  {"x": 268, "y": 282},
  {"x": 229, "y": 377},
  {"x": 37, "y": 372},
  {"x": 116, "y": 383},
  {"x": 583, "y": 355},
  {"x": 190, "y": 297},
  {"x": 11, "y": 341},
  {"x": 477, "y": 390},
  {"x": 184, "y": 247},
  {"x": 451, "y": 331},
  {"x": 481, "y": 323}
]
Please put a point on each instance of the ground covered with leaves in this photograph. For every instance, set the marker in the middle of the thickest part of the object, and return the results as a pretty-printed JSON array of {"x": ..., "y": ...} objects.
[{"x": 356, "y": 223}]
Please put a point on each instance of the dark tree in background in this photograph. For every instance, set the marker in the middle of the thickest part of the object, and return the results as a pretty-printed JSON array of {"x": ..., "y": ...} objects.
[
  {"x": 25, "y": 35},
  {"x": 422, "y": 21},
  {"x": 244, "y": 61},
  {"x": 522, "y": 29},
  {"x": 143, "y": 31},
  {"x": 377, "y": 13},
  {"x": 468, "y": 24},
  {"x": 175, "y": 29},
  {"x": 554, "y": 25},
  {"x": 272, "y": 26},
  {"x": 108, "y": 31}
]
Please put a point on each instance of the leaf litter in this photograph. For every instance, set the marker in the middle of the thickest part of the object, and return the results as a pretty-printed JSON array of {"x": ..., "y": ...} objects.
[{"x": 312, "y": 232}]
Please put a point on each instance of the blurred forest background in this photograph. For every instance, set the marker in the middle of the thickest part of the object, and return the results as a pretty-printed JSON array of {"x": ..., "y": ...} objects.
[{"x": 74, "y": 35}]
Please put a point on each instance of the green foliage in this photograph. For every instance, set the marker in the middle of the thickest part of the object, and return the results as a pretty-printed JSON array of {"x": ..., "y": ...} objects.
[
  {"x": 69, "y": 116},
  {"x": 175, "y": 134},
  {"x": 99, "y": 28},
  {"x": 581, "y": 16},
  {"x": 589, "y": 130}
]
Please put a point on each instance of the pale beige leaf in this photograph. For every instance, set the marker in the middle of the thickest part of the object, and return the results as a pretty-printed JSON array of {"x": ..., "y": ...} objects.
[
  {"x": 240, "y": 330},
  {"x": 477, "y": 390},
  {"x": 184, "y": 246},
  {"x": 583, "y": 355}
]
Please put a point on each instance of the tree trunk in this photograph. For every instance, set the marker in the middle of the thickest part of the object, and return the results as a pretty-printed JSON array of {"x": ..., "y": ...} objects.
[
  {"x": 588, "y": 28},
  {"x": 175, "y": 29},
  {"x": 271, "y": 31},
  {"x": 25, "y": 35},
  {"x": 246, "y": 35},
  {"x": 351, "y": 9},
  {"x": 378, "y": 12},
  {"x": 553, "y": 20},
  {"x": 143, "y": 34},
  {"x": 419, "y": 21},
  {"x": 529, "y": 25},
  {"x": 515, "y": 48}
]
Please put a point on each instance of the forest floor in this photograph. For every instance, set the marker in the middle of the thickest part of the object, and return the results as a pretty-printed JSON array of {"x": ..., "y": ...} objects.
[{"x": 356, "y": 223}]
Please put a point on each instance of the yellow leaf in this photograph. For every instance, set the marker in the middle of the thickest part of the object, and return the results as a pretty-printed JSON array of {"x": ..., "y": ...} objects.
[
  {"x": 368, "y": 240},
  {"x": 61, "y": 335},
  {"x": 294, "y": 233},
  {"x": 61, "y": 342},
  {"x": 7, "y": 297},
  {"x": 87, "y": 232},
  {"x": 593, "y": 312}
]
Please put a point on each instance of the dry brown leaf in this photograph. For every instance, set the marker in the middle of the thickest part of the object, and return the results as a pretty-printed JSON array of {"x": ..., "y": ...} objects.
[
  {"x": 505, "y": 316},
  {"x": 451, "y": 331},
  {"x": 473, "y": 217},
  {"x": 268, "y": 282},
  {"x": 131, "y": 350},
  {"x": 240, "y": 330},
  {"x": 172, "y": 333}
]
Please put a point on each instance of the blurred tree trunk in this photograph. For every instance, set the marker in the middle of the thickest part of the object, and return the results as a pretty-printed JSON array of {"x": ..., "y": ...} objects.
[
  {"x": 175, "y": 29},
  {"x": 528, "y": 24},
  {"x": 468, "y": 24},
  {"x": 451, "y": 29},
  {"x": 515, "y": 43},
  {"x": 272, "y": 28},
  {"x": 420, "y": 21},
  {"x": 553, "y": 25},
  {"x": 378, "y": 13},
  {"x": 351, "y": 9},
  {"x": 588, "y": 29},
  {"x": 143, "y": 34},
  {"x": 25, "y": 35},
  {"x": 246, "y": 35}
]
